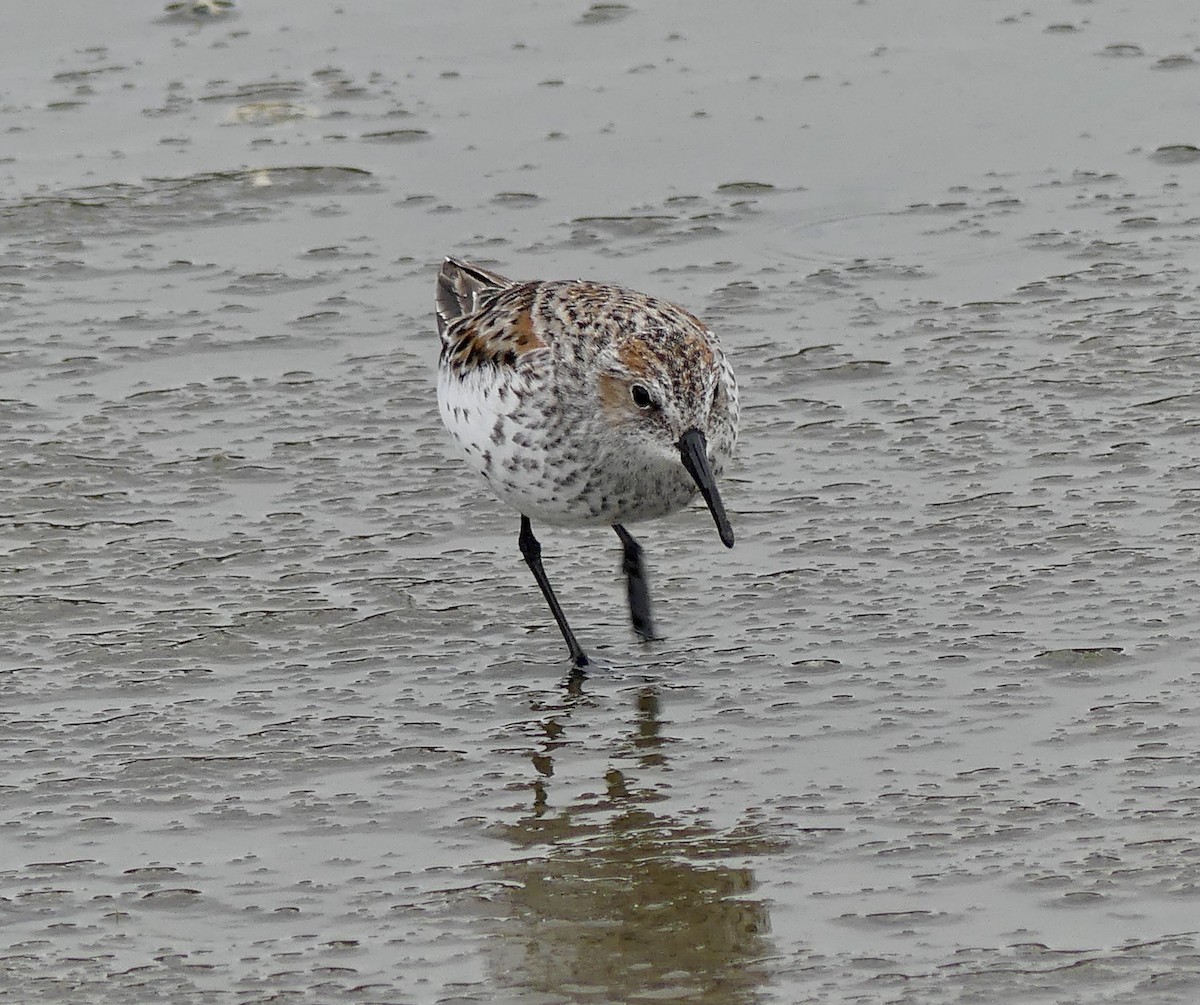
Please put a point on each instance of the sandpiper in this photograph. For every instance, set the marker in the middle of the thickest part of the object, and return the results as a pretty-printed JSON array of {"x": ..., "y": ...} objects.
[{"x": 583, "y": 403}]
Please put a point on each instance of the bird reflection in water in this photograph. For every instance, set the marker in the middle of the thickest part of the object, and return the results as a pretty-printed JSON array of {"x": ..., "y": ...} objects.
[{"x": 616, "y": 894}]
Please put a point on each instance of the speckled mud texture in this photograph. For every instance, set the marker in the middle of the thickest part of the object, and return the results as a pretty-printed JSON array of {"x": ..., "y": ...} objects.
[{"x": 282, "y": 715}]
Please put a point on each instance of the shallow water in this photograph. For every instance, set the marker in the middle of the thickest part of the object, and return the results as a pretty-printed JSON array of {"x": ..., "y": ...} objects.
[{"x": 282, "y": 715}]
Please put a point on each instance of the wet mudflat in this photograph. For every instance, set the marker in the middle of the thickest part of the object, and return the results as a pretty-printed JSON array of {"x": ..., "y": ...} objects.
[{"x": 283, "y": 718}]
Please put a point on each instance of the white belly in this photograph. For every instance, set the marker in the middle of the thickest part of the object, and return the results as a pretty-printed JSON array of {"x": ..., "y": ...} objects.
[{"x": 544, "y": 465}]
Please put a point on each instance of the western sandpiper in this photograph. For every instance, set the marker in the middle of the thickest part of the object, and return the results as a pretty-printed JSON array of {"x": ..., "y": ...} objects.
[{"x": 581, "y": 404}]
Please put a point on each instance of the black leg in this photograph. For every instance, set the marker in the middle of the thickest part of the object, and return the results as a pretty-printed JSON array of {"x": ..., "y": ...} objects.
[
  {"x": 532, "y": 553},
  {"x": 635, "y": 582}
]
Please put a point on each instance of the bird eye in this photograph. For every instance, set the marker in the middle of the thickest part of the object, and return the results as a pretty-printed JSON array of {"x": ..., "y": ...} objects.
[{"x": 641, "y": 397}]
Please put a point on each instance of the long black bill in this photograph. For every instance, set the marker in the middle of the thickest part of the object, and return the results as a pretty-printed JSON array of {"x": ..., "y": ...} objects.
[{"x": 693, "y": 451}]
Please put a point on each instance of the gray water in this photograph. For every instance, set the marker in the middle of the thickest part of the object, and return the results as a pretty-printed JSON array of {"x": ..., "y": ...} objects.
[{"x": 282, "y": 716}]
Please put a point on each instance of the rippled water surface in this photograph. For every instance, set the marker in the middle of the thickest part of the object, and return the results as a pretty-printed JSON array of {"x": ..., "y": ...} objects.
[{"x": 282, "y": 717}]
